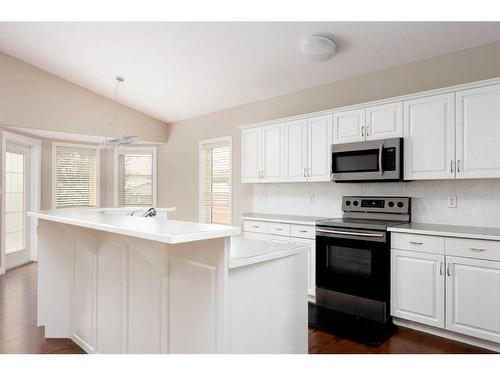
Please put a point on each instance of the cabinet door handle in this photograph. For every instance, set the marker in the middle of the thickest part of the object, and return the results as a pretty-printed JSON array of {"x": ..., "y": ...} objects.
[
  {"x": 441, "y": 268},
  {"x": 308, "y": 172},
  {"x": 362, "y": 131},
  {"x": 262, "y": 174},
  {"x": 448, "y": 269},
  {"x": 367, "y": 130},
  {"x": 305, "y": 169},
  {"x": 416, "y": 243},
  {"x": 451, "y": 166},
  {"x": 477, "y": 249},
  {"x": 458, "y": 166}
]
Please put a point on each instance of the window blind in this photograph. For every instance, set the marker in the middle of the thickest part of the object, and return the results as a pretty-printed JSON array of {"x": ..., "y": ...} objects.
[
  {"x": 215, "y": 182},
  {"x": 76, "y": 177},
  {"x": 135, "y": 179}
]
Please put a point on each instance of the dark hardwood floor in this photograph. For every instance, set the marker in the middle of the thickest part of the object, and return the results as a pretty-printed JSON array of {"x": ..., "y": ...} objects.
[
  {"x": 19, "y": 333},
  {"x": 18, "y": 330}
]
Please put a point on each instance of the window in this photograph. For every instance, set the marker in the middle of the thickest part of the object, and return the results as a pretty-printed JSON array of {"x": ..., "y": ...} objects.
[
  {"x": 135, "y": 176},
  {"x": 75, "y": 175},
  {"x": 215, "y": 181}
]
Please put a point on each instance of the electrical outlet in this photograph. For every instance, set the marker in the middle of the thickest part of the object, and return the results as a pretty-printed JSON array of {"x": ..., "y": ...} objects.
[
  {"x": 312, "y": 199},
  {"x": 452, "y": 201}
]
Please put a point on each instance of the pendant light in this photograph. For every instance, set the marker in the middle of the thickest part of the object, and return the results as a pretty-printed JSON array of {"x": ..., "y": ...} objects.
[{"x": 110, "y": 143}]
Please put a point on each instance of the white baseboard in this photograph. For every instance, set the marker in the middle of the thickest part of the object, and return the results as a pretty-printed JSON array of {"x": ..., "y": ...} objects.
[
  {"x": 82, "y": 344},
  {"x": 447, "y": 334}
]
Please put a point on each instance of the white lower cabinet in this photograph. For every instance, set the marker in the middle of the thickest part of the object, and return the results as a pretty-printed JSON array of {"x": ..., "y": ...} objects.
[
  {"x": 473, "y": 297},
  {"x": 417, "y": 287},
  {"x": 294, "y": 234},
  {"x": 311, "y": 262},
  {"x": 456, "y": 293}
]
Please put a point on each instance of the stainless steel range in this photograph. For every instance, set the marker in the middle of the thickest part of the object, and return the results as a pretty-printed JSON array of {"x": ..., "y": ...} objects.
[{"x": 353, "y": 256}]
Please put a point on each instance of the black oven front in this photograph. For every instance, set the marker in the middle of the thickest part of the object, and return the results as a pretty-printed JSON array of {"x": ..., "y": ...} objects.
[{"x": 352, "y": 271}]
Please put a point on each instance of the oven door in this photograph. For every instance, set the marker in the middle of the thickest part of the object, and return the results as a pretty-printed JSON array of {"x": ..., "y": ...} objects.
[
  {"x": 365, "y": 161},
  {"x": 353, "y": 262}
]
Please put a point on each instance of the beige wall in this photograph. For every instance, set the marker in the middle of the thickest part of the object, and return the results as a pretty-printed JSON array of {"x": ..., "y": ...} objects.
[
  {"x": 178, "y": 159},
  {"x": 33, "y": 98}
]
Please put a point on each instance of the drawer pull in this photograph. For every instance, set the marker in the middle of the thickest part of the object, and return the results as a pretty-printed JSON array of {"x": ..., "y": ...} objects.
[
  {"x": 256, "y": 226},
  {"x": 278, "y": 228},
  {"x": 303, "y": 231},
  {"x": 477, "y": 249},
  {"x": 416, "y": 243}
]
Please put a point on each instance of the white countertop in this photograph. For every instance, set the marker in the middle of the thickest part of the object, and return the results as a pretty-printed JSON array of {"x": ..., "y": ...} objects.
[
  {"x": 483, "y": 233},
  {"x": 154, "y": 228},
  {"x": 247, "y": 251},
  {"x": 289, "y": 219}
]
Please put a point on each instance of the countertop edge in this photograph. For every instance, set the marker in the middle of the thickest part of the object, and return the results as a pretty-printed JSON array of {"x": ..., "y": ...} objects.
[
  {"x": 169, "y": 239},
  {"x": 279, "y": 220},
  {"x": 444, "y": 233},
  {"x": 237, "y": 263}
]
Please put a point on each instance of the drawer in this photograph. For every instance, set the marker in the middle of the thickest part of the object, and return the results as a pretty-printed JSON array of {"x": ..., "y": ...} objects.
[
  {"x": 417, "y": 242},
  {"x": 255, "y": 236},
  {"x": 280, "y": 229},
  {"x": 303, "y": 231},
  {"x": 279, "y": 239},
  {"x": 470, "y": 248},
  {"x": 255, "y": 226}
]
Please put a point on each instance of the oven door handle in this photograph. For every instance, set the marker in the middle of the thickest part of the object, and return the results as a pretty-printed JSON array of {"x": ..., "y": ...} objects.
[
  {"x": 380, "y": 152},
  {"x": 377, "y": 235}
]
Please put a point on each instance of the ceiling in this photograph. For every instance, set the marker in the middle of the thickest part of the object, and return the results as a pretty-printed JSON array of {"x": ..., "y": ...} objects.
[{"x": 178, "y": 70}]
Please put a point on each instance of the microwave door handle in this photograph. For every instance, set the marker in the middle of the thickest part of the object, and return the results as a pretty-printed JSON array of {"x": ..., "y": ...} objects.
[{"x": 380, "y": 151}]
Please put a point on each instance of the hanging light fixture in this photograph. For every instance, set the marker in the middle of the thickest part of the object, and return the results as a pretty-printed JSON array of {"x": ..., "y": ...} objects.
[{"x": 110, "y": 143}]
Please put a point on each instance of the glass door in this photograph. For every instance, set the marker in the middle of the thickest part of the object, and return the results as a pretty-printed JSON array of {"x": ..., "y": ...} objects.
[{"x": 16, "y": 202}]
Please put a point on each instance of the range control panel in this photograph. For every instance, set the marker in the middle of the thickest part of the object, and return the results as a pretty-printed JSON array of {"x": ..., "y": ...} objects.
[{"x": 400, "y": 205}]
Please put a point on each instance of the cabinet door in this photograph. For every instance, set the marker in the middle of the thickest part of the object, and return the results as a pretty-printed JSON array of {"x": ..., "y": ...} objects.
[
  {"x": 319, "y": 140},
  {"x": 384, "y": 121},
  {"x": 478, "y": 135},
  {"x": 429, "y": 138},
  {"x": 272, "y": 153},
  {"x": 473, "y": 297},
  {"x": 296, "y": 150},
  {"x": 417, "y": 287},
  {"x": 311, "y": 262},
  {"x": 349, "y": 126},
  {"x": 250, "y": 155}
]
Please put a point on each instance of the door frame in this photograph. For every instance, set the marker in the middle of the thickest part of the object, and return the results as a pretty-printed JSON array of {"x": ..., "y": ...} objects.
[{"x": 35, "y": 167}]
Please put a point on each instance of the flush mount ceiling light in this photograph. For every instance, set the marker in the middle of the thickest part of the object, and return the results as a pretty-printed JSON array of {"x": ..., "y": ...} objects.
[{"x": 318, "y": 48}]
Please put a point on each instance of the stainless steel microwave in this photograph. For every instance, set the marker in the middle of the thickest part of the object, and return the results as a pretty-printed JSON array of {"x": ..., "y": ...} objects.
[{"x": 378, "y": 160}]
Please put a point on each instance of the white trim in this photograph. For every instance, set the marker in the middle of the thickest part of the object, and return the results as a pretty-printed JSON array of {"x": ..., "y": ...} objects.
[
  {"x": 490, "y": 345},
  {"x": 98, "y": 168},
  {"x": 35, "y": 188},
  {"x": 130, "y": 150},
  {"x": 202, "y": 142},
  {"x": 420, "y": 94}
]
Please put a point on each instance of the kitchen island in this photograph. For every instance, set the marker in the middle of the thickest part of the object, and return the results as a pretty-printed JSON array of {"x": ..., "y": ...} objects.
[{"x": 120, "y": 284}]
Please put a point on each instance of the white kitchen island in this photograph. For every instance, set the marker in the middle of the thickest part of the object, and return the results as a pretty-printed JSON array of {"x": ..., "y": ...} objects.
[{"x": 119, "y": 284}]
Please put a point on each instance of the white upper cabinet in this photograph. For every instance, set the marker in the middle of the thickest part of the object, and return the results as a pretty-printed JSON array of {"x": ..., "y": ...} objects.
[
  {"x": 417, "y": 287},
  {"x": 473, "y": 297},
  {"x": 319, "y": 140},
  {"x": 478, "y": 132},
  {"x": 251, "y": 155},
  {"x": 296, "y": 150},
  {"x": 349, "y": 126},
  {"x": 384, "y": 121},
  {"x": 272, "y": 153},
  {"x": 429, "y": 137}
]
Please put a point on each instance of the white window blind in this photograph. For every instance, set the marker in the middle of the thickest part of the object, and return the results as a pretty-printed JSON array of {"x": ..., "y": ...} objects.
[
  {"x": 215, "y": 181},
  {"x": 136, "y": 178},
  {"x": 75, "y": 177}
]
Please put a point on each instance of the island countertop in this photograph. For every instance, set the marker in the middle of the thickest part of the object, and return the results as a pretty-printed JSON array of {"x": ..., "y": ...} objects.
[{"x": 153, "y": 228}]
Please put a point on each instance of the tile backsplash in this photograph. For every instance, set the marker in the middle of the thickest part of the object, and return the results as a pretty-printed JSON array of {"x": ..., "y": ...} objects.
[{"x": 478, "y": 201}]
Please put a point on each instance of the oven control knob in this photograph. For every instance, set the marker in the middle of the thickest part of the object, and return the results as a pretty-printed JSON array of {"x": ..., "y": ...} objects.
[
  {"x": 347, "y": 203},
  {"x": 400, "y": 204},
  {"x": 391, "y": 204},
  {"x": 355, "y": 203}
]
